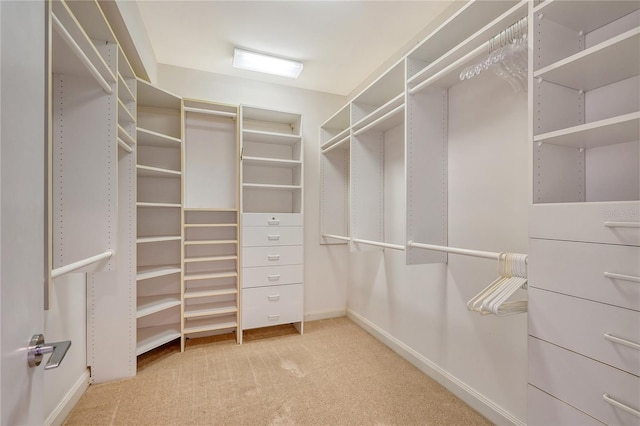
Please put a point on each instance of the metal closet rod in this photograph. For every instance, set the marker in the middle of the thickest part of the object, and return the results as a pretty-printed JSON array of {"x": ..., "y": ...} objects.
[
  {"x": 378, "y": 244},
  {"x": 453, "y": 250},
  {"x": 80, "y": 263}
]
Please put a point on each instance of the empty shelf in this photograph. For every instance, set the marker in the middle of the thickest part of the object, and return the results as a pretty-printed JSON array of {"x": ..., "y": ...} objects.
[
  {"x": 125, "y": 136},
  {"x": 209, "y": 242},
  {"x": 210, "y": 225},
  {"x": 209, "y": 258},
  {"x": 151, "y": 304},
  {"x": 268, "y": 186},
  {"x": 270, "y": 162},
  {"x": 143, "y": 240},
  {"x": 151, "y": 138},
  {"x": 124, "y": 114},
  {"x": 270, "y": 137},
  {"x": 211, "y": 291},
  {"x": 210, "y": 324},
  {"x": 147, "y": 272},
  {"x": 124, "y": 92},
  {"x": 210, "y": 275},
  {"x": 146, "y": 204},
  {"x": 209, "y": 309},
  {"x": 148, "y": 171},
  {"x": 152, "y": 337}
]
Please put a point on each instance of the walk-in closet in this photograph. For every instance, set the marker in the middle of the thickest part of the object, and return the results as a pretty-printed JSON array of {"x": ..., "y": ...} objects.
[{"x": 425, "y": 213}]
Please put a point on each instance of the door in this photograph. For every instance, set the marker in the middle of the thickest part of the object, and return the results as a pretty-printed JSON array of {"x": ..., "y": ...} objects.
[{"x": 22, "y": 207}]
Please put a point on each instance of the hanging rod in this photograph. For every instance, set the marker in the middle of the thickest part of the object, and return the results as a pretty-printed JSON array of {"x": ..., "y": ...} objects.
[
  {"x": 211, "y": 112},
  {"x": 622, "y": 224},
  {"x": 80, "y": 54},
  {"x": 80, "y": 263},
  {"x": 453, "y": 250},
  {"x": 378, "y": 244},
  {"x": 336, "y": 237},
  {"x": 122, "y": 144}
]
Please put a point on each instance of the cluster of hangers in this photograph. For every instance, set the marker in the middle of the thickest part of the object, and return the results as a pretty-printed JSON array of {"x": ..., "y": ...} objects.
[
  {"x": 493, "y": 299},
  {"x": 507, "y": 57}
]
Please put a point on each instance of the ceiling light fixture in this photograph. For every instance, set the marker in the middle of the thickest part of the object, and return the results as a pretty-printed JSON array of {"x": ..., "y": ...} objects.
[{"x": 253, "y": 61}]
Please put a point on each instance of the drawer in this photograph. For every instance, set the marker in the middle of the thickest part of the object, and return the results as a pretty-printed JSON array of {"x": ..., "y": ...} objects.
[
  {"x": 272, "y": 219},
  {"x": 271, "y": 275},
  {"x": 260, "y": 236},
  {"x": 580, "y": 325},
  {"x": 582, "y": 382},
  {"x": 579, "y": 269},
  {"x": 587, "y": 222},
  {"x": 268, "y": 256},
  {"x": 545, "y": 410},
  {"x": 266, "y": 306}
]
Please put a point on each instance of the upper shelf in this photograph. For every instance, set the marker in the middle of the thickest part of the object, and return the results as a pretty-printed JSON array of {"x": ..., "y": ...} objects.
[
  {"x": 152, "y": 96},
  {"x": 379, "y": 93},
  {"x": 151, "y": 138},
  {"x": 613, "y": 60},
  {"x": 592, "y": 15},
  {"x": 271, "y": 162},
  {"x": 270, "y": 137},
  {"x": 382, "y": 116}
]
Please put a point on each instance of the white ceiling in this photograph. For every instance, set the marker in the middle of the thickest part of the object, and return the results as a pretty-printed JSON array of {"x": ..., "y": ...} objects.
[{"x": 341, "y": 43}]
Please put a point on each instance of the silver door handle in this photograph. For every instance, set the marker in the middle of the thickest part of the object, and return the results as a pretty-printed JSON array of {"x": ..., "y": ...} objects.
[{"x": 37, "y": 349}]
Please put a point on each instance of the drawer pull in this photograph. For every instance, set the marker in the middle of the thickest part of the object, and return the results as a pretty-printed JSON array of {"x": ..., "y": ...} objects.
[
  {"x": 620, "y": 405},
  {"x": 622, "y": 277},
  {"x": 273, "y": 221},
  {"x": 273, "y": 256},
  {"x": 273, "y": 298},
  {"x": 622, "y": 224},
  {"x": 625, "y": 342},
  {"x": 273, "y": 317},
  {"x": 273, "y": 237},
  {"x": 275, "y": 277}
]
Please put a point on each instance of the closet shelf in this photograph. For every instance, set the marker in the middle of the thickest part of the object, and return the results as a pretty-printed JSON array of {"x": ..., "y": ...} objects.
[
  {"x": 151, "y": 304},
  {"x": 380, "y": 113},
  {"x": 209, "y": 242},
  {"x": 268, "y": 186},
  {"x": 611, "y": 131},
  {"x": 594, "y": 67},
  {"x": 210, "y": 275},
  {"x": 210, "y": 309},
  {"x": 210, "y": 324},
  {"x": 209, "y": 258},
  {"x": 388, "y": 121},
  {"x": 148, "y": 272},
  {"x": 192, "y": 293},
  {"x": 270, "y": 137},
  {"x": 124, "y": 114},
  {"x": 144, "y": 240},
  {"x": 147, "y": 204},
  {"x": 125, "y": 136},
  {"x": 337, "y": 139},
  {"x": 124, "y": 92},
  {"x": 150, "y": 138},
  {"x": 155, "y": 97},
  {"x": 148, "y": 171},
  {"x": 270, "y": 162},
  {"x": 210, "y": 225},
  {"x": 204, "y": 209},
  {"x": 122, "y": 144},
  {"x": 593, "y": 14},
  {"x": 151, "y": 337}
]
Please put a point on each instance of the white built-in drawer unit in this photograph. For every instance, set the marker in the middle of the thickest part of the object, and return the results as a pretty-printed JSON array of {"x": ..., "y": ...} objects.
[
  {"x": 266, "y": 306},
  {"x": 606, "y": 393},
  {"x": 269, "y": 256},
  {"x": 555, "y": 412},
  {"x": 259, "y": 236},
  {"x": 271, "y": 275}
]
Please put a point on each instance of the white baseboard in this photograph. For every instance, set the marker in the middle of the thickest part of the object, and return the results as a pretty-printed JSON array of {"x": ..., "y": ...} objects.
[
  {"x": 62, "y": 410},
  {"x": 320, "y": 315},
  {"x": 476, "y": 400}
]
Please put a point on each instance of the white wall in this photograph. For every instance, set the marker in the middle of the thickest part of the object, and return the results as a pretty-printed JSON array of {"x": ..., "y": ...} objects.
[
  {"x": 423, "y": 307},
  {"x": 325, "y": 272}
]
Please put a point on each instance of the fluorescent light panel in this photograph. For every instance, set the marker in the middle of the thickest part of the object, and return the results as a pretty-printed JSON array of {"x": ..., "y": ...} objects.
[{"x": 265, "y": 63}]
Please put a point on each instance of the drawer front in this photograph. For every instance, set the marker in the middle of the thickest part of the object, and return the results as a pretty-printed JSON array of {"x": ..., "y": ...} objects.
[
  {"x": 266, "y": 306},
  {"x": 545, "y": 410},
  {"x": 582, "y": 382},
  {"x": 272, "y": 219},
  {"x": 260, "y": 236},
  {"x": 270, "y": 256},
  {"x": 271, "y": 275},
  {"x": 579, "y": 269},
  {"x": 580, "y": 325},
  {"x": 588, "y": 222}
]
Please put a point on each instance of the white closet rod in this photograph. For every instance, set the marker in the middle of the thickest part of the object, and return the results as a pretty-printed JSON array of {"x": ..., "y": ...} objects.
[
  {"x": 337, "y": 144},
  {"x": 622, "y": 224},
  {"x": 378, "y": 244},
  {"x": 124, "y": 146},
  {"x": 80, "y": 54},
  {"x": 336, "y": 237},
  {"x": 210, "y": 112},
  {"x": 379, "y": 120},
  {"x": 453, "y": 250},
  {"x": 80, "y": 263}
]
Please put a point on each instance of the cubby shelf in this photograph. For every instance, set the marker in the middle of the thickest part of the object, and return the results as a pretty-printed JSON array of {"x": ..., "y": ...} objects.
[
  {"x": 152, "y": 337},
  {"x": 125, "y": 136},
  {"x": 124, "y": 114},
  {"x": 209, "y": 309},
  {"x": 269, "y": 186},
  {"x": 210, "y": 275},
  {"x": 270, "y": 137},
  {"x": 148, "y": 272},
  {"x": 585, "y": 70},
  {"x": 384, "y": 122},
  {"x": 147, "y": 204},
  {"x": 211, "y": 291},
  {"x": 388, "y": 109},
  {"x": 209, "y": 258},
  {"x": 202, "y": 325},
  {"x": 593, "y": 14},
  {"x": 150, "y": 138},
  {"x": 211, "y": 225},
  {"x": 270, "y": 162},
  {"x": 124, "y": 92},
  {"x": 144, "y": 240},
  {"x": 209, "y": 242},
  {"x": 338, "y": 139},
  {"x": 151, "y": 304},
  {"x": 148, "y": 171}
]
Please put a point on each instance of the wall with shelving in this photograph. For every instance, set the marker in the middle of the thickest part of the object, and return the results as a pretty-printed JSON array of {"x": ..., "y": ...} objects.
[{"x": 325, "y": 272}]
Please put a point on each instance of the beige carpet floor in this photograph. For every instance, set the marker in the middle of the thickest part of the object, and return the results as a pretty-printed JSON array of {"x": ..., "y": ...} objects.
[{"x": 335, "y": 374}]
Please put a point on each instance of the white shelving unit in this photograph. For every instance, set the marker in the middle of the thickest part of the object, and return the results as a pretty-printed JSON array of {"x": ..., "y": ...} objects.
[
  {"x": 159, "y": 230},
  {"x": 210, "y": 256},
  {"x": 335, "y": 146},
  {"x": 586, "y": 197},
  {"x": 272, "y": 212}
]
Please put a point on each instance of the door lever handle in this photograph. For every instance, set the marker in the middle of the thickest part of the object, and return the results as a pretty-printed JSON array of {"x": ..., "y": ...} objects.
[{"x": 37, "y": 349}]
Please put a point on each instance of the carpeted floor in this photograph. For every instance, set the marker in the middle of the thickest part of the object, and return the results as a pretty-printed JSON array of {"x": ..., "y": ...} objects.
[{"x": 335, "y": 374}]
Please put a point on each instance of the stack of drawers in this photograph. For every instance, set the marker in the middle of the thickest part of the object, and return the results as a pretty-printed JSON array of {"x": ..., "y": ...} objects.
[
  {"x": 584, "y": 314},
  {"x": 272, "y": 271}
]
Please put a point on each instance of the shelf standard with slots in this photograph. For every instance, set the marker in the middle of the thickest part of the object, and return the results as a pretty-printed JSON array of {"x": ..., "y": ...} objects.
[
  {"x": 148, "y": 272},
  {"x": 151, "y": 304},
  {"x": 222, "y": 322},
  {"x": 150, "y": 138},
  {"x": 144, "y": 240},
  {"x": 209, "y": 309},
  {"x": 210, "y": 291},
  {"x": 148, "y": 171},
  {"x": 151, "y": 337}
]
